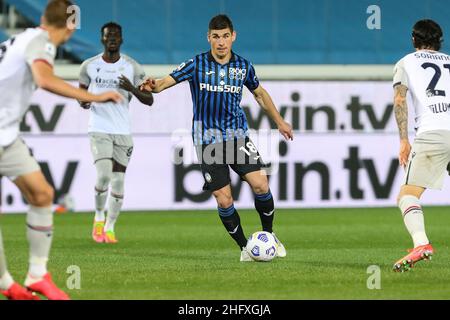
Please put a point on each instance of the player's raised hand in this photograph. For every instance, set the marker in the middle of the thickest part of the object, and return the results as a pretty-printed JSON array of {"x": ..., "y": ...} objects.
[
  {"x": 148, "y": 85},
  {"x": 110, "y": 96},
  {"x": 405, "y": 149},
  {"x": 125, "y": 84},
  {"x": 286, "y": 130}
]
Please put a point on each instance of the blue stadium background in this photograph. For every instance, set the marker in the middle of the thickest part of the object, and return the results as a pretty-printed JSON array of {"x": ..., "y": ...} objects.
[{"x": 269, "y": 31}]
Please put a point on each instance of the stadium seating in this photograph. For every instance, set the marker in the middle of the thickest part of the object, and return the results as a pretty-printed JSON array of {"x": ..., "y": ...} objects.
[{"x": 287, "y": 32}]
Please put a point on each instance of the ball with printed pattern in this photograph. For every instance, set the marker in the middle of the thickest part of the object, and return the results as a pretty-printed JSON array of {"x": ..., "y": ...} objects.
[
  {"x": 65, "y": 203},
  {"x": 261, "y": 246}
]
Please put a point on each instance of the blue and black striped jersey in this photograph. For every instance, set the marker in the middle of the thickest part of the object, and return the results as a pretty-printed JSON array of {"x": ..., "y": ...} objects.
[{"x": 216, "y": 91}]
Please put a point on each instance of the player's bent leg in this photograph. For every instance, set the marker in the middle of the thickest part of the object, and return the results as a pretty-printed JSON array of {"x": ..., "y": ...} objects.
[
  {"x": 264, "y": 204},
  {"x": 35, "y": 189},
  {"x": 229, "y": 216},
  {"x": 258, "y": 181},
  {"x": 39, "y": 220},
  {"x": 409, "y": 204},
  {"x": 223, "y": 197},
  {"x": 39, "y": 194}
]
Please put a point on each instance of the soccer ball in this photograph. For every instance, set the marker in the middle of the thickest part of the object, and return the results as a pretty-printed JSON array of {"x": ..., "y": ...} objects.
[
  {"x": 261, "y": 246},
  {"x": 66, "y": 203}
]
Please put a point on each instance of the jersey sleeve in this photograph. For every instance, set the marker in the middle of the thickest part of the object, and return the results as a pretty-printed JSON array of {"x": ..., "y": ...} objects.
[
  {"x": 84, "y": 78},
  {"x": 40, "y": 49},
  {"x": 400, "y": 75},
  {"x": 185, "y": 71},
  {"x": 251, "y": 81},
  {"x": 139, "y": 74}
]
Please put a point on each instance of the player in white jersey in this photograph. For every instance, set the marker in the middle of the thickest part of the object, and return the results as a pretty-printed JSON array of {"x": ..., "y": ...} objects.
[
  {"x": 425, "y": 73},
  {"x": 26, "y": 62},
  {"x": 109, "y": 125}
]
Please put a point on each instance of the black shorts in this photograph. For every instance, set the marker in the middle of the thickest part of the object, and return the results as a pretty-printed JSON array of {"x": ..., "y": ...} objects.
[{"x": 216, "y": 159}]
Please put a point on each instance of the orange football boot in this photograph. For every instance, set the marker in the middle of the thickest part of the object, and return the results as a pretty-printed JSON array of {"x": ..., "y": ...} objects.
[
  {"x": 17, "y": 292},
  {"x": 419, "y": 253},
  {"x": 48, "y": 289}
]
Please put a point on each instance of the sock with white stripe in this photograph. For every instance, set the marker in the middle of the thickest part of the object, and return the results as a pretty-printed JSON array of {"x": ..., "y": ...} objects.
[
  {"x": 232, "y": 222},
  {"x": 414, "y": 220},
  {"x": 266, "y": 209},
  {"x": 40, "y": 235}
]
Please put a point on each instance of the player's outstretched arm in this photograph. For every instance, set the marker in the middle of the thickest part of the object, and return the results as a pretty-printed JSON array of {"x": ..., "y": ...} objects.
[
  {"x": 265, "y": 101},
  {"x": 158, "y": 85},
  {"x": 143, "y": 96},
  {"x": 401, "y": 116},
  {"x": 44, "y": 77}
]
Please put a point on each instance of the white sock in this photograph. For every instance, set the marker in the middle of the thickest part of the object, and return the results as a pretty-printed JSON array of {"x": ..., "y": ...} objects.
[
  {"x": 6, "y": 281},
  {"x": 114, "y": 205},
  {"x": 99, "y": 216},
  {"x": 39, "y": 234},
  {"x": 100, "y": 201},
  {"x": 413, "y": 219},
  {"x": 36, "y": 271}
]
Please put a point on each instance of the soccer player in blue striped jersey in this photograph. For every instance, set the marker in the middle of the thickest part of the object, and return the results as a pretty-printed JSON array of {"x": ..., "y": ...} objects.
[{"x": 219, "y": 129}]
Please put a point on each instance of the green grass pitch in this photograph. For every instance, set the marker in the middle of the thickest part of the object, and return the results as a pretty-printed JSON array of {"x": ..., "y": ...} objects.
[{"x": 188, "y": 255}]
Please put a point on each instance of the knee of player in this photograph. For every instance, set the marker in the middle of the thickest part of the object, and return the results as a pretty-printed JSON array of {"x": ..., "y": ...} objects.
[
  {"x": 117, "y": 183},
  {"x": 224, "y": 201},
  {"x": 405, "y": 200},
  {"x": 409, "y": 192},
  {"x": 43, "y": 197},
  {"x": 103, "y": 179},
  {"x": 261, "y": 188}
]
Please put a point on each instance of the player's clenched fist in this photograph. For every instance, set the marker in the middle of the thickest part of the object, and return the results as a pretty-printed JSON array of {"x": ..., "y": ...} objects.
[{"x": 148, "y": 85}]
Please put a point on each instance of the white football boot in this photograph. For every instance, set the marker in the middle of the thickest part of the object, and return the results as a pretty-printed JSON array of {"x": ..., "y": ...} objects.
[
  {"x": 281, "y": 250},
  {"x": 245, "y": 257}
]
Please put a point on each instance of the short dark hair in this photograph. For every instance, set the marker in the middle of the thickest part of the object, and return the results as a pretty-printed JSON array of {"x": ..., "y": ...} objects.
[
  {"x": 55, "y": 13},
  {"x": 111, "y": 25},
  {"x": 220, "y": 22},
  {"x": 427, "y": 34}
]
